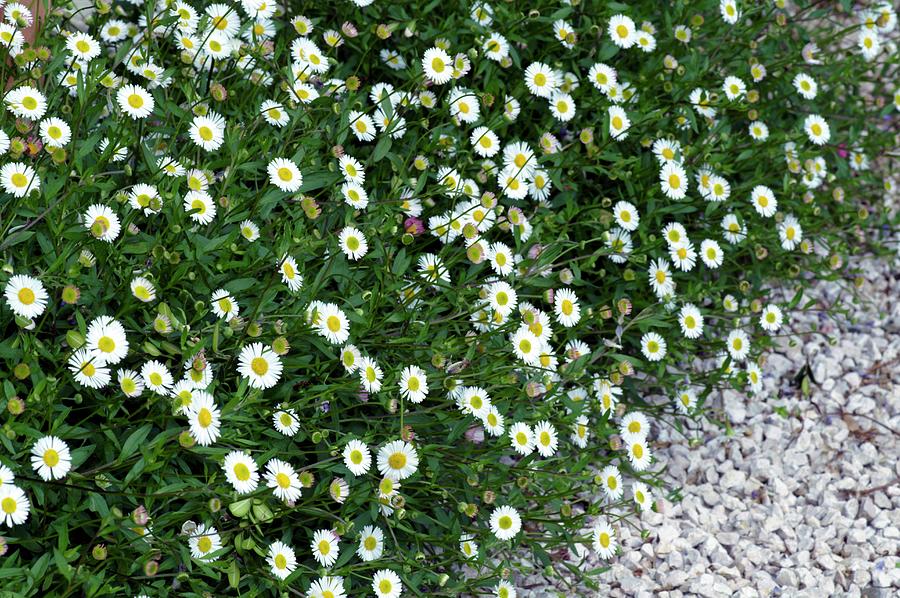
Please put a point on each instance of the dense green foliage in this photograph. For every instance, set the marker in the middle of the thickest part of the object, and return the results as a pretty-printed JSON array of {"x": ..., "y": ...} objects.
[{"x": 119, "y": 201}]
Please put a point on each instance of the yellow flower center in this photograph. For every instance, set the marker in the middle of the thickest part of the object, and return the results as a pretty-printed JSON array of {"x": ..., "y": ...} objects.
[
  {"x": 622, "y": 31},
  {"x": 29, "y": 103},
  {"x": 397, "y": 461},
  {"x": 106, "y": 344},
  {"x": 19, "y": 179},
  {"x": 51, "y": 458},
  {"x": 505, "y": 522},
  {"x": 324, "y": 547},
  {"x": 280, "y": 561},
  {"x": 242, "y": 472},
  {"x": 204, "y": 418},
  {"x": 285, "y": 174},
  {"x": 283, "y": 480},
  {"x": 413, "y": 384},
  {"x": 135, "y": 101},
  {"x": 540, "y": 79},
  {"x": 674, "y": 181},
  {"x": 206, "y": 133},
  {"x": 637, "y": 450},
  {"x": 26, "y": 296},
  {"x": 333, "y": 323},
  {"x": 259, "y": 366},
  {"x": 567, "y": 307},
  {"x": 204, "y": 544}
]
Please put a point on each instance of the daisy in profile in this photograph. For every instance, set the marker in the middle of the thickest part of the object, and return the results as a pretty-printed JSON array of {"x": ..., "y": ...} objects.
[
  {"x": 770, "y": 318},
  {"x": 259, "y": 365},
  {"x": 566, "y": 308},
  {"x": 357, "y": 457},
  {"x": 286, "y": 422},
  {"x": 371, "y": 543},
  {"x": 333, "y": 324},
  {"x": 282, "y": 559},
  {"x": 325, "y": 547},
  {"x": 580, "y": 431},
  {"x": 505, "y": 522},
  {"x": 691, "y": 321},
  {"x": 135, "y": 101},
  {"x": 660, "y": 276},
  {"x": 618, "y": 123},
  {"x": 386, "y": 584},
  {"x": 817, "y": 129},
  {"x": 26, "y": 296},
  {"x": 283, "y": 480},
  {"x": 157, "y": 377},
  {"x": 526, "y": 345},
  {"x": 729, "y": 11},
  {"x": 397, "y": 460},
  {"x": 106, "y": 338},
  {"x": 289, "y": 273},
  {"x": 50, "y": 458},
  {"x": 362, "y": 125},
  {"x": 611, "y": 481},
  {"x": 764, "y": 201},
  {"x": 19, "y": 179},
  {"x": 642, "y": 495},
  {"x": 790, "y": 232},
  {"x": 504, "y": 589},
  {"x": 208, "y": 131},
  {"x": 370, "y": 374},
  {"x": 249, "y": 230},
  {"x": 540, "y": 80},
  {"x": 413, "y": 384},
  {"x": 711, "y": 253},
  {"x": 200, "y": 206},
  {"x": 85, "y": 369},
  {"x": 653, "y": 346},
  {"x": 622, "y": 31},
  {"x": 754, "y": 377},
  {"x": 14, "y": 505},
  {"x": 241, "y": 471},
  {"x": 146, "y": 198},
  {"x": 738, "y": 345},
  {"x": 224, "y": 305},
  {"x": 604, "y": 539},
  {"x": 734, "y": 88},
  {"x": 639, "y": 454},
  {"x": 204, "y": 418},
  {"x": 142, "y": 289},
  {"x": 545, "y": 438},
  {"x": 130, "y": 383},
  {"x": 485, "y": 142},
  {"x": 203, "y": 542},
  {"x": 468, "y": 547},
  {"x": 437, "y": 65},
  {"x": 355, "y": 195},
  {"x": 102, "y": 222},
  {"x": 522, "y": 438},
  {"x": 285, "y": 175},
  {"x": 493, "y": 422},
  {"x": 352, "y": 170},
  {"x": 274, "y": 113},
  {"x": 353, "y": 243},
  {"x": 26, "y": 101},
  {"x": 686, "y": 400},
  {"x": 350, "y": 358},
  {"x": 806, "y": 86}
]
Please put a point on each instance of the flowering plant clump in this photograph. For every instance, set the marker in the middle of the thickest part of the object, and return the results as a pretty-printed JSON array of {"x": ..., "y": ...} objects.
[{"x": 354, "y": 298}]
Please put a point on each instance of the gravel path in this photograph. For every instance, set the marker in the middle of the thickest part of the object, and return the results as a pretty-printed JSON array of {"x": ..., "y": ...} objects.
[
  {"x": 803, "y": 498},
  {"x": 805, "y": 502}
]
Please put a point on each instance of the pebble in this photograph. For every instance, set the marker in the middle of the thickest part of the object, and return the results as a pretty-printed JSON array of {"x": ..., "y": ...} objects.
[{"x": 777, "y": 508}]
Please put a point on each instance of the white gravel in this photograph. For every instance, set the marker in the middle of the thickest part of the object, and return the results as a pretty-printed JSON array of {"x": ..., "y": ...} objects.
[{"x": 803, "y": 505}]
